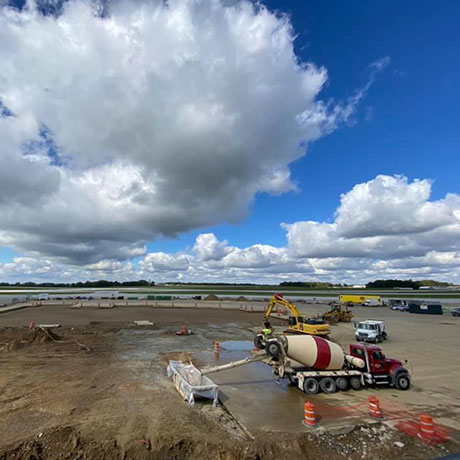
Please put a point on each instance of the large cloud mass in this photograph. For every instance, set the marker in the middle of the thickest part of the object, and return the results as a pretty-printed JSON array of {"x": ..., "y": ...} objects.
[
  {"x": 411, "y": 238},
  {"x": 152, "y": 119}
]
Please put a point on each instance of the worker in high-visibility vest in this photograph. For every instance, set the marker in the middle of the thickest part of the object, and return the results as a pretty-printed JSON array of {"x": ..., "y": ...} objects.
[{"x": 268, "y": 329}]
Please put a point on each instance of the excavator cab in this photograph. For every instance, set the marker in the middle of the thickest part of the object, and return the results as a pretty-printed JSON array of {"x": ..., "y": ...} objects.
[{"x": 293, "y": 321}]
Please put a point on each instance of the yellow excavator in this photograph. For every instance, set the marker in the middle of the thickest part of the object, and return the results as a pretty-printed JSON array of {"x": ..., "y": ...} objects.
[{"x": 297, "y": 324}]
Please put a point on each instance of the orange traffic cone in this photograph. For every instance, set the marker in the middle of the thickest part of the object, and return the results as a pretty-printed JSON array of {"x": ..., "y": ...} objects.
[
  {"x": 216, "y": 348},
  {"x": 309, "y": 416},
  {"x": 374, "y": 407},
  {"x": 183, "y": 331},
  {"x": 32, "y": 325}
]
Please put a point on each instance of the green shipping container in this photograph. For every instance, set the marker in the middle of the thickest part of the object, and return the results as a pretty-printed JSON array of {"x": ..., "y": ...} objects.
[{"x": 159, "y": 297}]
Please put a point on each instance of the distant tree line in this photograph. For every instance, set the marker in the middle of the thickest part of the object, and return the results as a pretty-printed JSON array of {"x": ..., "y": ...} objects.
[
  {"x": 309, "y": 284},
  {"x": 86, "y": 284},
  {"x": 194, "y": 283},
  {"x": 389, "y": 284}
]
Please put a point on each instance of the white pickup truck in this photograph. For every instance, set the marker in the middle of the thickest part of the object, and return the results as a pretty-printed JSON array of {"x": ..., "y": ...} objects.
[{"x": 371, "y": 330}]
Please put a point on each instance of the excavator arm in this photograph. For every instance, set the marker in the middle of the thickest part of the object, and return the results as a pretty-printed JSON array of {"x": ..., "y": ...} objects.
[
  {"x": 313, "y": 327},
  {"x": 278, "y": 299}
]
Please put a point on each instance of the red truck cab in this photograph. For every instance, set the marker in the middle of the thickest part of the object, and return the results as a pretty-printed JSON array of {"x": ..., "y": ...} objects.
[{"x": 381, "y": 370}]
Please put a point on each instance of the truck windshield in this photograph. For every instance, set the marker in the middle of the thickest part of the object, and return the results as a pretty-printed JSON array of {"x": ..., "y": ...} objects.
[
  {"x": 378, "y": 355},
  {"x": 368, "y": 327}
]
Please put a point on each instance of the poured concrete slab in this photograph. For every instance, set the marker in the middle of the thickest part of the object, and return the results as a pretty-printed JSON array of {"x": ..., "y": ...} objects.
[{"x": 262, "y": 401}]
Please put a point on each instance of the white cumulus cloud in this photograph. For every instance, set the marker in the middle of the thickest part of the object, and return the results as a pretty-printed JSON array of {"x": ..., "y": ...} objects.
[
  {"x": 152, "y": 119},
  {"x": 394, "y": 230}
]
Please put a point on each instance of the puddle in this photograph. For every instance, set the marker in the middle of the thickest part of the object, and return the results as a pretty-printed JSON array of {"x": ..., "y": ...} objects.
[{"x": 237, "y": 345}]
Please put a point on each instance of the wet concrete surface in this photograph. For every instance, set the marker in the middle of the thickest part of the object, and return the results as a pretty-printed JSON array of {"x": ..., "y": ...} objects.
[{"x": 262, "y": 401}]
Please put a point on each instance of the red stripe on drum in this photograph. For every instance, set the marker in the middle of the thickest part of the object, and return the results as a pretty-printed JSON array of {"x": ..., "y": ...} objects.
[{"x": 323, "y": 357}]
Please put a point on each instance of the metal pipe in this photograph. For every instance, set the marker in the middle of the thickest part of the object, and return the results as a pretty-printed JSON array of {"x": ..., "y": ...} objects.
[{"x": 223, "y": 367}]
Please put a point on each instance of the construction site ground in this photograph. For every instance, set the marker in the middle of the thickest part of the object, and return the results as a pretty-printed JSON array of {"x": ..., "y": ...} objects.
[{"x": 98, "y": 389}]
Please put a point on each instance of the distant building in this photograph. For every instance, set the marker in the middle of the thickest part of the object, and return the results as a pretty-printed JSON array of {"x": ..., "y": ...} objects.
[{"x": 359, "y": 286}]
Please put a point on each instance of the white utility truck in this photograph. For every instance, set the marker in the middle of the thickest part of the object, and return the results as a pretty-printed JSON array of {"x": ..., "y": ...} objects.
[{"x": 371, "y": 330}]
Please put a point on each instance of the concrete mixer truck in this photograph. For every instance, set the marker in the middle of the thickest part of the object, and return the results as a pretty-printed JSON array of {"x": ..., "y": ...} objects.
[{"x": 315, "y": 364}]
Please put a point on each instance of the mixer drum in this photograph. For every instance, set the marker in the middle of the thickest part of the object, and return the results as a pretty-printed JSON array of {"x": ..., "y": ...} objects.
[{"x": 314, "y": 352}]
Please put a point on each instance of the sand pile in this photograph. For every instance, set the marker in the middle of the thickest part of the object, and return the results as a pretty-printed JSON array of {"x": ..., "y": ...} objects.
[{"x": 211, "y": 297}]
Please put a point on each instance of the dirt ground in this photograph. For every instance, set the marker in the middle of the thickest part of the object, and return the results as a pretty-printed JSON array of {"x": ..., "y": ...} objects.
[{"x": 99, "y": 391}]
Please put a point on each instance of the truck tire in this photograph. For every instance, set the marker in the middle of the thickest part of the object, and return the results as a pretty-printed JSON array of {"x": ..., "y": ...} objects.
[
  {"x": 258, "y": 342},
  {"x": 273, "y": 349},
  {"x": 328, "y": 385},
  {"x": 402, "y": 381},
  {"x": 341, "y": 383},
  {"x": 355, "y": 383},
  {"x": 311, "y": 386}
]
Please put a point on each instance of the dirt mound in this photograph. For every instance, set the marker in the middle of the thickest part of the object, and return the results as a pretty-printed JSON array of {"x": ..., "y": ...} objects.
[
  {"x": 241, "y": 298},
  {"x": 38, "y": 336},
  {"x": 41, "y": 335},
  {"x": 35, "y": 336},
  {"x": 66, "y": 443},
  {"x": 211, "y": 297},
  {"x": 63, "y": 443}
]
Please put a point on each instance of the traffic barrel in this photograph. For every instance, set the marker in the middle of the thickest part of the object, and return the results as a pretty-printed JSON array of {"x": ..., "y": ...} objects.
[
  {"x": 309, "y": 416},
  {"x": 426, "y": 427},
  {"x": 374, "y": 407}
]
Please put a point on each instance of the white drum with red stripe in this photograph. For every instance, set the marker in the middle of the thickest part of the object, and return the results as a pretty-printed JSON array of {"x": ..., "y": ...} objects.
[{"x": 314, "y": 352}]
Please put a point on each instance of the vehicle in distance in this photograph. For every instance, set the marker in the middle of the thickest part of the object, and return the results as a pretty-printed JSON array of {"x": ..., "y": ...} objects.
[
  {"x": 455, "y": 311},
  {"x": 370, "y": 331},
  {"x": 365, "y": 300},
  {"x": 400, "y": 308}
]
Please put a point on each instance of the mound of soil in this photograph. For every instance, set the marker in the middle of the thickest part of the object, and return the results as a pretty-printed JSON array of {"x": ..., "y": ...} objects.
[
  {"x": 211, "y": 297},
  {"x": 67, "y": 443},
  {"x": 37, "y": 335},
  {"x": 241, "y": 298}
]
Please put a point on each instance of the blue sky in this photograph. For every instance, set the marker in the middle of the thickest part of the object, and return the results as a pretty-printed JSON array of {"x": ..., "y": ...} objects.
[
  {"x": 123, "y": 134},
  {"x": 413, "y": 124}
]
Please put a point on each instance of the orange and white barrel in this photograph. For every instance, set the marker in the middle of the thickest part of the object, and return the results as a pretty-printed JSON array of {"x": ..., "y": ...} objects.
[
  {"x": 426, "y": 427},
  {"x": 374, "y": 407},
  {"x": 309, "y": 416}
]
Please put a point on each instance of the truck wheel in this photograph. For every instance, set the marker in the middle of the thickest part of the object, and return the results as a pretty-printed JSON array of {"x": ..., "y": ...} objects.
[
  {"x": 341, "y": 383},
  {"x": 355, "y": 383},
  {"x": 273, "y": 349},
  {"x": 402, "y": 382},
  {"x": 259, "y": 342},
  {"x": 328, "y": 385},
  {"x": 311, "y": 386}
]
